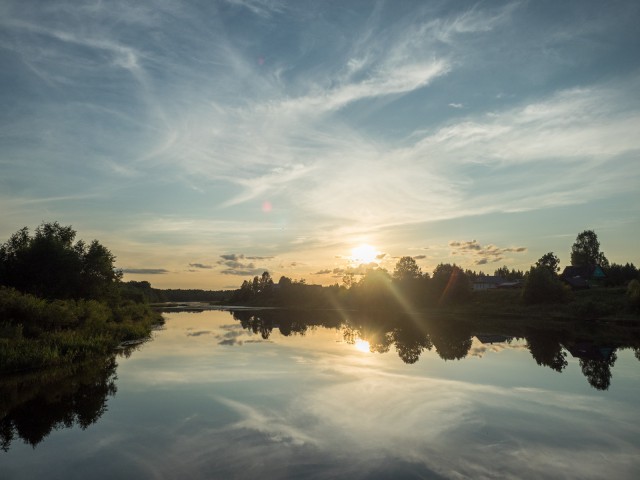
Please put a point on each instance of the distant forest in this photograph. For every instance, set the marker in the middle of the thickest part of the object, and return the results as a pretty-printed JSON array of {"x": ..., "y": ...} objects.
[
  {"x": 143, "y": 292},
  {"x": 51, "y": 265},
  {"x": 408, "y": 288}
]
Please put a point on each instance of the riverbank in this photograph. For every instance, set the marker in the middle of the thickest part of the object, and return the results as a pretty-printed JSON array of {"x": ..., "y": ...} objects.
[
  {"x": 597, "y": 305},
  {"x": 37, "y": 333}
]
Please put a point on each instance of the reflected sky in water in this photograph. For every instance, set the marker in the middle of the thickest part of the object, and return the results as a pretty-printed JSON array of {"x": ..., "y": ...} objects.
[{"x": 209, "y": 399}]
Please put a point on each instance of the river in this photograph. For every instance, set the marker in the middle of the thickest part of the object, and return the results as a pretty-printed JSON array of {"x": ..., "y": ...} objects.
[{"x": 267, "y": 395}]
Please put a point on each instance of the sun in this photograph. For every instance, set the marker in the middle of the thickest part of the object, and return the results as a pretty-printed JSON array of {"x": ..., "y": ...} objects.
[
  {"x": 364, "y": 254},
  {"x": 363, "y": 346}
]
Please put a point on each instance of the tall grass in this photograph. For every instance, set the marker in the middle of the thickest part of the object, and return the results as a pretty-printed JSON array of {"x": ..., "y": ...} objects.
[{"x": 36, "y": 333}]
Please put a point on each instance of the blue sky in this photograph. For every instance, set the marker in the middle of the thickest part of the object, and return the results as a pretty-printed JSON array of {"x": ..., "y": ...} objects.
[{"x": 204, "y": 142}]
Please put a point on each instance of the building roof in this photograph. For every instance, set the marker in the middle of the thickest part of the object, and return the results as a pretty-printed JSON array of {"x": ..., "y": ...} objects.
[
  {"x": 576, "y": 282},
  {"x": 491, "y": 279},
  {"x": 584, "y": 271}
]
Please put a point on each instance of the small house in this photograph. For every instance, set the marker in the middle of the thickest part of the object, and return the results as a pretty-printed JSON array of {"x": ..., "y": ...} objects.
[
  {"x": 486, "y": 282},
  {"x": 583, "y": 276}
]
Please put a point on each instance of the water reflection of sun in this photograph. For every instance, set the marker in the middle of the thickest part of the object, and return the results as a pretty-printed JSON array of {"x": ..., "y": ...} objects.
[
  {"x": 364, "y": 254},
  {"x": 362, "y": 345}
]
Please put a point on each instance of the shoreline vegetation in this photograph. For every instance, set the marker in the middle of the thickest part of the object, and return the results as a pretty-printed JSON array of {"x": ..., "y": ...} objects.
[
  {"x": 540, "y": 294},
  {"x": 63, "y": 302},
  {"x": 37, "y": 333},
  {"x": 606, "y": 306}
]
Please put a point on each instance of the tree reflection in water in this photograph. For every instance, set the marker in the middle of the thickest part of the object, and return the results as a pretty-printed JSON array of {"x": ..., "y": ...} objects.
[
  {"x": 547, "y": 350},
  {"x": 35, "y": 404},
  {"x": 596, "y": 362},
  {"x": 452, "y": 338},
  {"x": 262, "y": 322},
  {"x": 410, "y": 341}
]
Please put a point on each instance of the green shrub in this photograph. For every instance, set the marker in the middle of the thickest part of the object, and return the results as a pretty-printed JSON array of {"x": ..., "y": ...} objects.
[
  {"x": 543, "y": 286},
  {"x": 633, "y": 294},
  {"x": 35, "y": 333}
]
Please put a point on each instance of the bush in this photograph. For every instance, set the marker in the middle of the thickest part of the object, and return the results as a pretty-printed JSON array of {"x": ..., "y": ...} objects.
[
  {"x": 543, "y": 286},
  {"x": 450, "y": 285},
  {"x": 36, "y": 333},
  {"x": 633, "y": 294}
]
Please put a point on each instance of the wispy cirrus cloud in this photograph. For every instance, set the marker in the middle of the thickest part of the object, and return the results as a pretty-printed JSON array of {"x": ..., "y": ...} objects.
[
  {"x": 401, "y": 117},
  {"x": 268, "y": 135},
  {"x": 262, "y": 8}
]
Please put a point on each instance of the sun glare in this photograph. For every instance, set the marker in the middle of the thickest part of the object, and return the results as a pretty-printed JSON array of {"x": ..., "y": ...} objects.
[
  {"x": 364, "y": 254},
  {"x": 363, "y": 345}
]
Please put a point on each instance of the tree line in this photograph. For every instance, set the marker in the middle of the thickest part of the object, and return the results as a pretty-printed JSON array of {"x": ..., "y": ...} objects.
[
  {"x": 407, "y": 287},
  {"x": 377, "y": 288},
  {"x": 61, "y": 300},
  {"x": 142, "y": 291}
]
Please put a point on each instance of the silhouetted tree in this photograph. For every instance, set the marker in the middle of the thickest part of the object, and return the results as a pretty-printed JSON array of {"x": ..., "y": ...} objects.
[
  {"x": 473, "y": 275},
  {"x": 621, "y": 274},
  {"x": 265, "y": 283},
  {"x": 188, "y": 294},
  {"x": 550, "y": 261},
  {"x": 373, "y": 291},
  {"x": 543, "y": 286},
  {"x": 411, "y": 284},
  {"x": 244, "y": 293},
  {"x": 512, "y": 275},
  {"x": 586, "y": 250},
  {"x": 48, "y": 264},
  {"x": 406, "y": 270},
  {"x": 449, "y": 284},
  {"x": 502, "y": 272}
]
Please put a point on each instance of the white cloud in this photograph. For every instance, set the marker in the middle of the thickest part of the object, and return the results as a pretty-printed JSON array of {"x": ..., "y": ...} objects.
[
  {"x": 345, "y": 136},
  {"x": 426, "y": 429},
  {"x": 394, "y": 80},
  {"x": 262, "y": 8},
  {"x": 471, "y": 21}
]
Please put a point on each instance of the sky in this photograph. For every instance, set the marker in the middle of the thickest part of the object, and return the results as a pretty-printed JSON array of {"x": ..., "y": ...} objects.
[{"x": 204, "y": 142}]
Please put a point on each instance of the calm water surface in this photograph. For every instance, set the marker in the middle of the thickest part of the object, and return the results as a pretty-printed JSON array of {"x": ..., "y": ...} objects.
[{"x": 209, "y": 398}]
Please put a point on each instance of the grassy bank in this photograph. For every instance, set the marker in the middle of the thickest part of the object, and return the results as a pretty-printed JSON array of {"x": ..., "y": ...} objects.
[
  {"x": 593, "y": 305},
  {"x": 36, "y": 333}
]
